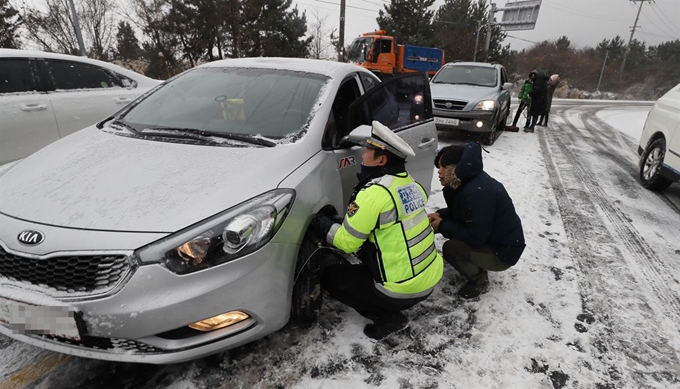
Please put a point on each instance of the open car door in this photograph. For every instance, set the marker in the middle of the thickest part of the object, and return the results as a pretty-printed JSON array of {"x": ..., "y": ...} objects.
[{"x": 403, "y": 104}]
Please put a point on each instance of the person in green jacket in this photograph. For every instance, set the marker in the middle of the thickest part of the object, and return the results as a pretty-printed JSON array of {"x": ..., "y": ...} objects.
[
  {"x": 524, "y": 98},
  {"x": 387, "y": 226}
]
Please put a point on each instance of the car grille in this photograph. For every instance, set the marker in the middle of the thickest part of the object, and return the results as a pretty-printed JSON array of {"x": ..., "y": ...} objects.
[
  {"x": 453, "y": 105},
  {"x": 104, "y": 344},
  {"x": 66, "y": 274}
]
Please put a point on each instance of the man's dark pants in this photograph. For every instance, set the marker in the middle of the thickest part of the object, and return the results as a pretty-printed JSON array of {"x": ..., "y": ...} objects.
[
  {"x": 521, "y": 107},
  {"x": 473, "y": 262}
]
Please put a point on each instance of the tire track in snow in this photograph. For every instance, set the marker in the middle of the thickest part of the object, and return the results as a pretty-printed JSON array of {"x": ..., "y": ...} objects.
[
  {"x": 586, "y": 118},
  {"x": 579, "y": 197}
]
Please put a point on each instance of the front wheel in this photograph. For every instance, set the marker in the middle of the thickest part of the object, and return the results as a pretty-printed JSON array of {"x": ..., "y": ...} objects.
[
  {"x": 651, "y": 161},
  {"x": 307, "y": 288}
]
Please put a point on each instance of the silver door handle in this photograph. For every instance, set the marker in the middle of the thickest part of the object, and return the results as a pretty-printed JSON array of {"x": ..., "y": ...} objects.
[
  {"x": 122, "y": 100},
  {"x": 32, "y": 107},
  {"x": 426, "y": 143}
]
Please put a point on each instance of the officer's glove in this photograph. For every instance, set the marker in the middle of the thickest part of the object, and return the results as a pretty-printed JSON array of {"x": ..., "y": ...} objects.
[{"x": 320, "y": 225}]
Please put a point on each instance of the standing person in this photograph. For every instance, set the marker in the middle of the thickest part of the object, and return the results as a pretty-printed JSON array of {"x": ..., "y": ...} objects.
[
  {"x": 485, "y": 234},
  {"x": 539, "y": 99},
  {"x": 386, "y": 219},
  {"x": 552, "y": 85},
  {"x": 524, "y": 99}
]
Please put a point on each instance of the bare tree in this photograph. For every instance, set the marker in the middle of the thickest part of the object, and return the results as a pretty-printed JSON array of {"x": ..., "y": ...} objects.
[
  {"x": 323, "y": 40},
  {"x": 52, "y": 28},
  {"x": 97, "y": 20}
]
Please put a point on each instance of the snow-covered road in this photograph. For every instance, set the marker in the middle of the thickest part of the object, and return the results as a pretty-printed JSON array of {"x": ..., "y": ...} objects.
[{"x": 593, "y": 303}]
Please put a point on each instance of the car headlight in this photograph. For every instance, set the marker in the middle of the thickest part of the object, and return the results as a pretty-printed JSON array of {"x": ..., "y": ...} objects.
[
  {"x": 224, "y": 237},
  {"x": 485, "y": 105}
]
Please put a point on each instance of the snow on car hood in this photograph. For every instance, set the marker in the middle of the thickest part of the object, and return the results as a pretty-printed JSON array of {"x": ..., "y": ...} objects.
[
  {"x": 97, "y": 180},
  {"x": 468, "y": 93}
]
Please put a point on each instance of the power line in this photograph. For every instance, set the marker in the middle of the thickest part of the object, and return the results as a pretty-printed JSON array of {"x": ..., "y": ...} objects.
[
  {"x": 520, "y": 39},
  {"x": 348, "y": 6},
  {"x": 664, "y": 22},
  {"x": 583, "y": 14},
  {"x": 655, "y": 25},
  {"x": 334, "y": 9},
  {"x": 664, "y": 15}
]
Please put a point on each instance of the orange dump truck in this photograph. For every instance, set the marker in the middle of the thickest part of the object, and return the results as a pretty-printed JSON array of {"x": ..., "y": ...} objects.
[{"x": 379, "y": 53}]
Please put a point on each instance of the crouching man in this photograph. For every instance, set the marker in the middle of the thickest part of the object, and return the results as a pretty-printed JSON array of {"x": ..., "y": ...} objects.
[{"x": 386, "y": 223}]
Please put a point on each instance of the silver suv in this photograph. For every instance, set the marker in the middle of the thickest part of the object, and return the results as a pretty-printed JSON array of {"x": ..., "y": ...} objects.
[{"x": 472, "y": 97}]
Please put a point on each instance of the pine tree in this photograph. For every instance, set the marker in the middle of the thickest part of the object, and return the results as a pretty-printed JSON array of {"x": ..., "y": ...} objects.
[
  {"x": 127, "y": 45},
  {"x": 9, "y": 25},
  {"x": 410, "y": 21},
  {"x": 274, "y": 30}
]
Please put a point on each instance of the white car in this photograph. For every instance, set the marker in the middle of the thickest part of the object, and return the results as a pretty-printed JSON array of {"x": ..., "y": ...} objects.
[
  {"x": 659, "y": 147},
  {"x": 176, "y": 228},
  {"x": 46, "y": 96}
]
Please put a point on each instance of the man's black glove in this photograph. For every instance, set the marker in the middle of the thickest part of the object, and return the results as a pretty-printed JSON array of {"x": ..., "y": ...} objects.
[{"x": 320, "y": 225}]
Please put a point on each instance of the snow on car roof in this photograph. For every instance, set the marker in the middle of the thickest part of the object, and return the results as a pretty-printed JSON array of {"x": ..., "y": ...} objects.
[
  {"x": 6, "y": 53},
  {"x": 328, "y": 68}
]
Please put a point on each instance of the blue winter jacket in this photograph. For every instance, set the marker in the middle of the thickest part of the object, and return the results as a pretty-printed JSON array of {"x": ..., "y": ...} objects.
[{"x": 480, "y": 212}]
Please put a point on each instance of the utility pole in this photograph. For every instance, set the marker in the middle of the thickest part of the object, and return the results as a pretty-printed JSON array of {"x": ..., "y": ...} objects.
[
  {"x": 606, "y": 55},
  {"x": 76, "y": 26},
  {"x": 489, "y": 21},
  {"x": 479, "y": 28},
  {"x": 341, "y": 40},
  {"x": 632, "y": 32}
]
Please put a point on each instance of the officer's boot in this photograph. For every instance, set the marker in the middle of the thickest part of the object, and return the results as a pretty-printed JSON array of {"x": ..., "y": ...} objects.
[{"x": 386, "y": 324}]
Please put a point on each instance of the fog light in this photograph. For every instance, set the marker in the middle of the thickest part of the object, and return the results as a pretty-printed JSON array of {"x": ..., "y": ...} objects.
[
  {"x": 220, "y": 321},
  {"x": 480, "y": 124}
]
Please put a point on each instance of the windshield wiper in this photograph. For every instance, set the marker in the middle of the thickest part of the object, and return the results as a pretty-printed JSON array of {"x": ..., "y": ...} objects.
[
  {"x": 126, "y": 126},
  {"x": 193, "y": 133}
]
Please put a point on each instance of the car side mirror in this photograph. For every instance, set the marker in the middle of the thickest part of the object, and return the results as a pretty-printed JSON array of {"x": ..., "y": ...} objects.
[
  {"x": 507, "y": 86},
  {"x": 357, "y": 136}
]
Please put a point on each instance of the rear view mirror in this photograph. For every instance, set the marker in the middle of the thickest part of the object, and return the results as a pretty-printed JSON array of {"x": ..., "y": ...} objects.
[
  {"x": 357, "y": 136},
  {"x": 507, "y": 86}
]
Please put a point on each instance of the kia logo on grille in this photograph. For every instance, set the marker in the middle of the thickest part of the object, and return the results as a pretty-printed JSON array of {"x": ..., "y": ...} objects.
[
  {"x": 31, "y": 237},
  {"x": 448, "y": 104}
]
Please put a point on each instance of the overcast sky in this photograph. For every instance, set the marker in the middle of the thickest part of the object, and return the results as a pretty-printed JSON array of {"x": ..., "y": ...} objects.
[{"x": 585, "y": 22}]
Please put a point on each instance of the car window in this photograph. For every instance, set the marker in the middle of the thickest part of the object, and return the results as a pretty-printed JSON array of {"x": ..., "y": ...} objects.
[
  {"x": 368, "y": 81},
  {"x": 16, "y": 76},
  {"x": 466, "y": 75},
  {"x": 358, "y": 52},
  {"x": 74, "y": 75},
  {"x": 397, "y": 103},
  {"x": 338, "y": 124},
  {"x": 504, "y": 76},
  {"x": 248, "y": 101}
]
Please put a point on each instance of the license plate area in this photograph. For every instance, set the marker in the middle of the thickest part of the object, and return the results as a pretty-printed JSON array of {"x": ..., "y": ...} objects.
[
  {"x": 449, "y": 121},
  {"x": 28, "y": 319}
]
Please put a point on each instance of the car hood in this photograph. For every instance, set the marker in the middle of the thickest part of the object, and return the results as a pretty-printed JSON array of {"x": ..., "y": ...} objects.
[
  {"x": 101, "y": 181},
  {"x": 468, "y": 93}
]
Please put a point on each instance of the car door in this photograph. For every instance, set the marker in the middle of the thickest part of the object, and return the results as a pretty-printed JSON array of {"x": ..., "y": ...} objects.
[
  {"x": 505, "y": 95},
  {"x": 83, "y": 94},
  {"x": 672, "y": 105},
  {"x": 347, "y": 156},
  {"x": 27, "y": 121},
  {"x": 403, "y": 104}
]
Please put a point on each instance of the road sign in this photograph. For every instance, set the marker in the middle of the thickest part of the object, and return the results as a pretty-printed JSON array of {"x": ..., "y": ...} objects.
[{"x": 520, "y": 15}]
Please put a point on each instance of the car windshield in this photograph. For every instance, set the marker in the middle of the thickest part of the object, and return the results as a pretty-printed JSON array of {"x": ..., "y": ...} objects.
[
  {"x": 236, "y": 101},
  {"x": 466, "y": 75},
  {"x": 358, "y": 52}
]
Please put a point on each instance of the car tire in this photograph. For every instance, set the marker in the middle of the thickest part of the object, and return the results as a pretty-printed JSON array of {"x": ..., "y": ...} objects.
[
  {"x": 489, "y": 138},
  {"x": 651, "y": 161},
  {"x": 306, "y": 301}
]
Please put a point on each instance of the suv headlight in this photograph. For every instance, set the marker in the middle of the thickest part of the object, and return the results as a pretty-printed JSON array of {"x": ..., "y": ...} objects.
[
  {"x": 485, "y": 105},
  {"x": 224, "y": 237}
]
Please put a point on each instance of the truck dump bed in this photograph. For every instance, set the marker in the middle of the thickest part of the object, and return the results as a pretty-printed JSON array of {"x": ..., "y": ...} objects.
[{"x": 419, "y": 59}]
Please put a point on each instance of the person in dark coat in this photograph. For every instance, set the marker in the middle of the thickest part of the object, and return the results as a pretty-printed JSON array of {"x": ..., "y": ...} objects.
[
  {"x": 484, "y": 231},
  {"x": 539, "y": 99},
  {"x": 552, "y": 85}
]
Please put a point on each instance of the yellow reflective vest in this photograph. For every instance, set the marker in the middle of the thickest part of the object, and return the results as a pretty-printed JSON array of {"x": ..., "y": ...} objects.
[{"x": 390, "y": 212}]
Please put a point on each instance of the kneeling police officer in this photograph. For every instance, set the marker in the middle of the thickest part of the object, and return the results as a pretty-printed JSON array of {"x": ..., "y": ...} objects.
[{"x": 387, "y": 225}]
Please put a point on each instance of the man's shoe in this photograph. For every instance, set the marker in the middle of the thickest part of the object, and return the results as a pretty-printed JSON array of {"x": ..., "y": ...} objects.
[
  {"x": 526, "y": 129},
  {"x": 385, "y": 325},
  {"x": 530, "y": 129},
  {"x": 471, "y": 289}
]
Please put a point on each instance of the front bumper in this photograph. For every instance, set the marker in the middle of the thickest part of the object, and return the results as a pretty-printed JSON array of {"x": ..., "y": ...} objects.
[
  {"x": 467, "y": 121},
  {"x": 144, "y": 317}
]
